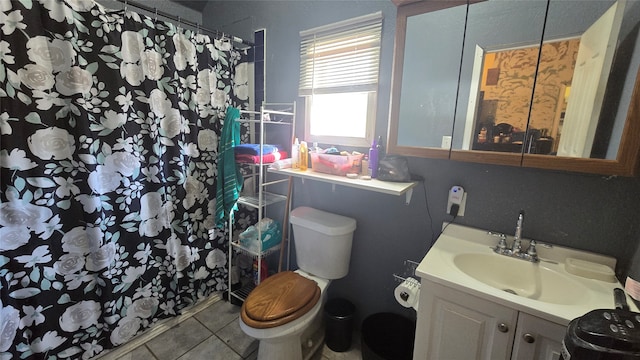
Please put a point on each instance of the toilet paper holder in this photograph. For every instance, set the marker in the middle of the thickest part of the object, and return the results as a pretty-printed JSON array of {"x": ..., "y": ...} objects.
[{"x": 408, "y": 270}]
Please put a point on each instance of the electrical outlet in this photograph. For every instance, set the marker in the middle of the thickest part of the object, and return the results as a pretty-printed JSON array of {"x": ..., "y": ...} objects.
[
  {"x": 446, "y": 142},
  {"x": 457, "y": 196}
]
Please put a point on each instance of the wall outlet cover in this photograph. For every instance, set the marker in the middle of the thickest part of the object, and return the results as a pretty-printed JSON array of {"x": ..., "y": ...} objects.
[{"x": 457, "y": 196}]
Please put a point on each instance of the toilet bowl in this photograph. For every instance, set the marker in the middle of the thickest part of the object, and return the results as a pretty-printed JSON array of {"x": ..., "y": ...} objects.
[
  {"x": 286, "y": 341},
  {"x": 284, "y": 311}
]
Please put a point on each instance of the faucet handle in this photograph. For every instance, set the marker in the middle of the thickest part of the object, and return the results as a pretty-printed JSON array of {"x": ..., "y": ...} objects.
[
  {"x": 502, "y": 243},
  {"x": 531, "y": 251}
]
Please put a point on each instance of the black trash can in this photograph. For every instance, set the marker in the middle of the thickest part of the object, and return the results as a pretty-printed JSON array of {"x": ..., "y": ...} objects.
[
  {"x": 338, "y": 324},
  {"x": 387, "y": 336}
]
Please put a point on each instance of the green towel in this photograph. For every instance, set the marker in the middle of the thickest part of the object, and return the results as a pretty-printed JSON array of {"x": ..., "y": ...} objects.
[{"x": 230, "y": 178}]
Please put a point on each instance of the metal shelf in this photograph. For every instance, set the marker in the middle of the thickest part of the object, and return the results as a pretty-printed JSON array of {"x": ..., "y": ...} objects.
[
  {"x": 244, "y": 291},
  {"x": 409, "y": 270},
  {"x": 264, "y": 122},
  {"x": 269, "y": 114},
  {"x": 250, "y": 252},
  {"x": 267, "y": 199}
]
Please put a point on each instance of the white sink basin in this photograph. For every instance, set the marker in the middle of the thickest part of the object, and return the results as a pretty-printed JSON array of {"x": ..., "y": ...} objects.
[
  {"x": 522, "y": 278},
  {"x": 462, "y": 258}
]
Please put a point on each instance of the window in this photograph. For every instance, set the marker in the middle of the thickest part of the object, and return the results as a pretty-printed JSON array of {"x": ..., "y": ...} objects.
[{"x": 339, "y": 66}]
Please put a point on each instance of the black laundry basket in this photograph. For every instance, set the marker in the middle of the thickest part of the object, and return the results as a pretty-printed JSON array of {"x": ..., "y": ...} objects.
[
  {"x": 387, "y": 336},
  {"x": 338, "y": 324}
]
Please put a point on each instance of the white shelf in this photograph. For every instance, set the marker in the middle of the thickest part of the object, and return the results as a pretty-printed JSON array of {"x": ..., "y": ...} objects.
[
  {"x": 257, "y": 121},
  {"x": 269, "y": 114},
  {"x": 386, "y": 187},
  {"x": 253, "y": 253},
  {"x": 267, "y": 199},
  {"x": 242, "y": 293}
]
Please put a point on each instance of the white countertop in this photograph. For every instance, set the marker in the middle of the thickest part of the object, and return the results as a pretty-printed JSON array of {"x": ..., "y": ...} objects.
[{"x": 438, "y": 266}]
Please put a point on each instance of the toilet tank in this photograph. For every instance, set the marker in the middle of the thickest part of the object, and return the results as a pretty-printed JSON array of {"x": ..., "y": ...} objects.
[{"x": 322, "y": 241}]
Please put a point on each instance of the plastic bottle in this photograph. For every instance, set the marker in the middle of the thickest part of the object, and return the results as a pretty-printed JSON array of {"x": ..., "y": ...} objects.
[
  {"x": 263, "y": 271},
  {"x": 304, "y": 156},
  {"x": 365, "y": 165},
  {"x": 373, "y": 159},
  {"x": 295, "y": 154},
  {"x": 380, "y": 147}
]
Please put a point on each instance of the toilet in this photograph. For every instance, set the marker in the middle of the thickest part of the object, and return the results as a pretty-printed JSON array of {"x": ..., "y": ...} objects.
[{"x": 284, "y": 312}]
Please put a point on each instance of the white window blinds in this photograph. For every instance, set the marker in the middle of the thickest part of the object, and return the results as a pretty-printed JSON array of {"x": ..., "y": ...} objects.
[{"x": 341, "y": 57}]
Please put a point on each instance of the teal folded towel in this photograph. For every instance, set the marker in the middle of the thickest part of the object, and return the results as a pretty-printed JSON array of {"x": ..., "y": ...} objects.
[{"x": 229, "y": 181}]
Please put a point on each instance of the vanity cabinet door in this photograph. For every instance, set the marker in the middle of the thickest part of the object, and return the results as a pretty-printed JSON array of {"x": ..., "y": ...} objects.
[
  {"x": 537, "y": 339},
  {"x": 454, "y": 325}
]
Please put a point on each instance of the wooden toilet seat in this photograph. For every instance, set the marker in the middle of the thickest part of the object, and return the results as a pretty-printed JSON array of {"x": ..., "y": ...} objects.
[{"x": 279, "y": 299}]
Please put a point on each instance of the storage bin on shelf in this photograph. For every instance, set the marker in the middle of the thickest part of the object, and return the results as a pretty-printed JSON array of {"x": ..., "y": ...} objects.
[{"x": 336, "y": 164}]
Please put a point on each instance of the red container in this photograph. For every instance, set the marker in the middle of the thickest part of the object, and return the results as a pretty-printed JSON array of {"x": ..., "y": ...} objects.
[{"x": 264, "y": 272}]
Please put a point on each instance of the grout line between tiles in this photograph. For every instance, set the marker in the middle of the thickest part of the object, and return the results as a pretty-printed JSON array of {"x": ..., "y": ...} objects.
[
  {"x": 157, "y": 329},
  {"x": 215, "y": 333},
  {"x": 150, "y": 351}
]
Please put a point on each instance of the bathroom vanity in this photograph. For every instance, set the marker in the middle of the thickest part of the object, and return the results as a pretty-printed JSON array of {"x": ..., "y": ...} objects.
[{"x": 476, "y": 304}]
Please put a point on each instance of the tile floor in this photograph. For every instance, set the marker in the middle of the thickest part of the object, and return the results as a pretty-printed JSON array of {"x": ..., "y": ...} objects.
[{"x": 208, "y": 331}]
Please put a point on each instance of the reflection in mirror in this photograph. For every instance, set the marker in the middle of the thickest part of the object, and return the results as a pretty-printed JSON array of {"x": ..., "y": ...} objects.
[
  {"x": 576, "y": 111},
  {"x": 589, "y": 112},
  {"x": 498, "y": 74},
  {"x": 433, "y": 45},
  {"x": 506, "y": 83},
  {"x": 553, "y": 87}
]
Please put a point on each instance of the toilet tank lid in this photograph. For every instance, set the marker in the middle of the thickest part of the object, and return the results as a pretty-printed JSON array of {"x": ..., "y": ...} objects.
[{"x": 322, "y": 221}]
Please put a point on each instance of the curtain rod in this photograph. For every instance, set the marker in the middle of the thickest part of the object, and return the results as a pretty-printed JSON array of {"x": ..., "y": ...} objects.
[{"x": 183, "y": 21}]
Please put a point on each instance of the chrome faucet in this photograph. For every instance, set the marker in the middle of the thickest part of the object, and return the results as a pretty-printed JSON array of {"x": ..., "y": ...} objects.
[
  {"x": 516, "y": 248},
  {"x": 517, "y": 238}
]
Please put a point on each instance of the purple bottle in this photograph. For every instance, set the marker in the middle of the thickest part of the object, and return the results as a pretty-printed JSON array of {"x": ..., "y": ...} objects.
[{"x": 373, "y": 159}]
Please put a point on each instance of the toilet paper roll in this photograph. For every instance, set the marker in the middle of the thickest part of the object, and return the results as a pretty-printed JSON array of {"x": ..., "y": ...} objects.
[{"x": 407, "y": 294}]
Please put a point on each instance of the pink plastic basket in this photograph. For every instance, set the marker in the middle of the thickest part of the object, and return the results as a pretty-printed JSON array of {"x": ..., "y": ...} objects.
[{"x": 336, "y": 164}]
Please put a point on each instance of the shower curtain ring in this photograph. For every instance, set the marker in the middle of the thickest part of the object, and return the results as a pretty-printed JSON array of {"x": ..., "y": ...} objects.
[
  {"x": 126, "y": 5},
  {"x": 155, "y": 10}
]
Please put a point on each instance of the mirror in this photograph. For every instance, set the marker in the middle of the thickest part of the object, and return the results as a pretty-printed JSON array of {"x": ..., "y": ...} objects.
[
  {"x": 589, "y": 124},
  {"x": 512, "y": 114},
  {"x": 497, "y": 76},
  {"x": 429, "y": 81}
]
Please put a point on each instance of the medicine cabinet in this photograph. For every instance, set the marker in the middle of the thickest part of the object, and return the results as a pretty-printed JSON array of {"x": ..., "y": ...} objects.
[{"x": 513, "y": 83}]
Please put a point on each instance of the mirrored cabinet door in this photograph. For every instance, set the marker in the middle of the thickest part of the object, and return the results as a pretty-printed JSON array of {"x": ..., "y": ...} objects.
[
  {"x": 595, "y": 95},
  {"x": 576, "y": 55},
  {"x": 497, "y": 79},
  {"x": 426, "y": 77}
]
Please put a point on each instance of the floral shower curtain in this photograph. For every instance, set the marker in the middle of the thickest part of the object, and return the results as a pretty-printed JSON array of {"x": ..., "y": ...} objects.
[{"x": 109, "y": 124}]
